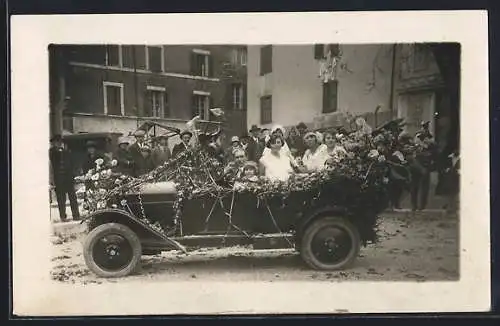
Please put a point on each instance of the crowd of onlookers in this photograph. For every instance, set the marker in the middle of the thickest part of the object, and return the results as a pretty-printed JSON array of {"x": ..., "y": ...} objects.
[{"x": 261, "y": 153}]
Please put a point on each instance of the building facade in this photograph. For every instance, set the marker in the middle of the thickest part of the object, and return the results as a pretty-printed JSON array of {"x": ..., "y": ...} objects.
[
  {"x": 113, "y": 88},
  {"x": 285, "y": 86}
]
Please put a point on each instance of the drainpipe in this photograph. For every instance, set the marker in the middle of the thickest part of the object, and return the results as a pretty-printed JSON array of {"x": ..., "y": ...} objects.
[
  {"x": 393, "y": 78},
  {"x": 135, "y": 85}
]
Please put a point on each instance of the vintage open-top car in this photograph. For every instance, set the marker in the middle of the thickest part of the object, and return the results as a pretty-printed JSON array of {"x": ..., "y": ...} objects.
[{"x": 325, "y": 216}]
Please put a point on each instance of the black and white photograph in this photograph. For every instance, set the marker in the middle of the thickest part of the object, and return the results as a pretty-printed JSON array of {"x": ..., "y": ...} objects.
[{"x": 326, "y": 160}]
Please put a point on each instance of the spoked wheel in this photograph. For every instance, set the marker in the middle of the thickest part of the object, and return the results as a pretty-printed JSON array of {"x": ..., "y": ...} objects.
[
  {"x": 330, "y": 243},
  {"x": 112, "y": 250}
]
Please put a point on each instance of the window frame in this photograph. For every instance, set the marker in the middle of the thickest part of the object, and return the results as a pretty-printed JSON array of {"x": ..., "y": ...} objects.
[
  {"x": 235, "y": 94},
  {"x": 120, "y": 56},
  {"x": 146, "y": 52},
  {"x": 263, "y": 98},
  {"x": 266, "y": 69},
  {"x": 105, "y": 96},
  {"x": 326, "y": 109},
  {"x": 206, "y": 96},
  {"x": 164, "y": 102}
]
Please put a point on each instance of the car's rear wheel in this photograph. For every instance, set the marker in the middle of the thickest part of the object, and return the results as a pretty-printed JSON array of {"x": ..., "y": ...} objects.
[
  {"x": 112, "y": 250},
  {"x": 330, "y": 243}
]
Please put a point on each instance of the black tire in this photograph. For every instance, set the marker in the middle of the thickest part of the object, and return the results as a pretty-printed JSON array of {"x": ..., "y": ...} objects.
[
  {"x": 322, "y": 249},
  {"x": 103, "y": 246}
]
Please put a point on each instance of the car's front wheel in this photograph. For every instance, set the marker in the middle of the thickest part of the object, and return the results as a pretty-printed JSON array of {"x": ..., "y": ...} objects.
[
  {"x": 112, "y": 250},
  {"x": 330, "y": 243}
]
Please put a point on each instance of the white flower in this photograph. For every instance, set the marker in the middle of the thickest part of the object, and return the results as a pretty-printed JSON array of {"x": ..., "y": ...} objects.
[
  {"x": 102, "y": 191},
  {"x": 399, "y": 155},
  {"x": 114, "y": 206},
  {"x": 114, "y": 163},
  {"x": 101, "y": 204},
  {"x": 118, "y": 181},
  {"x": 95, "y": 177},
  {"x": 99, "y": 161},
  {"x": 123, "y": 202},
  {"x": 381, "y": 158},
  {"x": 373, "y": 153}
]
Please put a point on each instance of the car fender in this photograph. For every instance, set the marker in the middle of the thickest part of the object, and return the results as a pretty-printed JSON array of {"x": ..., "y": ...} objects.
[
  {"x": 312, "y": 215},
  {"x": 121, "y": 216}
]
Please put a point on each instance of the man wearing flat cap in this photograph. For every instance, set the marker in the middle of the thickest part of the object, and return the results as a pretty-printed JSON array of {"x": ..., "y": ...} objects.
[
  {"x": 186, "y": 136},
  {"x": 63, "y": 177}
]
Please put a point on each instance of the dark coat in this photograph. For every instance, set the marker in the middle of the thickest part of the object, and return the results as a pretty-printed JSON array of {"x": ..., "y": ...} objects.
[
  {"x": 178, "y": 148},
  {"x": 254, "y": 150},
  {"x": 143, "y": 165},
  {"x": 125, "y": 161},
  {"x": 89, "y": 161},
  {"x": 63, "y": 169},
  {"x": 160, "y": 155}
]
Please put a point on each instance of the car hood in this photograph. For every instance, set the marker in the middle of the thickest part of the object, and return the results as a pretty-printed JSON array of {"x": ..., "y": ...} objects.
[{"x": 164, "y": 187}]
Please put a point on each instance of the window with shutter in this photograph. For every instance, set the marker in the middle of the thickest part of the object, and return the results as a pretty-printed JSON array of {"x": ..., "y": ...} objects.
[
  {"x": 128, "y": 56},
  {"x": 330, "y": 96},
  {"x": 237, "y": 96},
  {"x": 318, "y": 51},
  {"x": 155, "y": 58},
  {"x": 266, "y": 109},
  {"x": 266, "y": 59},
  {"x": 113, "y": 55},
  {"x": 113, "y": 98},
  {"x": 201, "y": 64}
]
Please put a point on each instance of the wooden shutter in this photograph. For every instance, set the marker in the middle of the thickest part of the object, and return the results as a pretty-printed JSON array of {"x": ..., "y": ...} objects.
[
  {"x": 318, "y": 51},
  {"x": 210, "y": 66},
  {"x": 193, "y": 66}
]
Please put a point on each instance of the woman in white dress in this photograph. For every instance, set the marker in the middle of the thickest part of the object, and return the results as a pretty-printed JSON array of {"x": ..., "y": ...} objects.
[
  {"x": 316, "y": 154},
  {"x": 333, "y": 148},
  {"x": 279, "y": 131},
  {"x": 276, "y": 164}
]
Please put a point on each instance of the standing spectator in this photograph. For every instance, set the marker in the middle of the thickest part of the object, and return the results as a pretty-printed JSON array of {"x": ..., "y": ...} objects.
[
  {"x": 186, "y": 136},
  {"x": 144, "y": 163},
  {"x": 91, "y": 157},
  {"x": 63, "y": 177},
  {"x": 124, "y": 157},
  {"x": 235, "y": 144},
  {"x": 161, "y": 152},
  {"x": 300, "y": 145},
  {"x": 421, "y": 168},
  {"x": 452, "y": 177},
  {"x": 295, "y": 142},
  {"x": 255, "y": 145},
  {"x": 135, "y": 148}
]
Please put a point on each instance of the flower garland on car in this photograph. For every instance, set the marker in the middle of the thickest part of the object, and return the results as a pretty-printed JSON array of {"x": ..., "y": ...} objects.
[{"x": 196, "y": 174}]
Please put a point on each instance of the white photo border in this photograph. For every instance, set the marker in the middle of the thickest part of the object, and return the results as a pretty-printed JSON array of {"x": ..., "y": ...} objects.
[{"x": 35, "y": 294}]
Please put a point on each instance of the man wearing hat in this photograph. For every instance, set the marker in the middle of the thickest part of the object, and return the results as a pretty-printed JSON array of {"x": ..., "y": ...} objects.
[
  {"x": 124, "y": 158},
  {"x": 63, "y": 177},
  {"x": 299, "y": 143},
  {"x": 186, "y": 136},
  {"x": 161, "y": 152},
  {"x": 255, "y": 146},
  {"x": 135, "y": 148},
  {"x": 144, "y": 163},
  {"x": 235, "y": 144}
]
